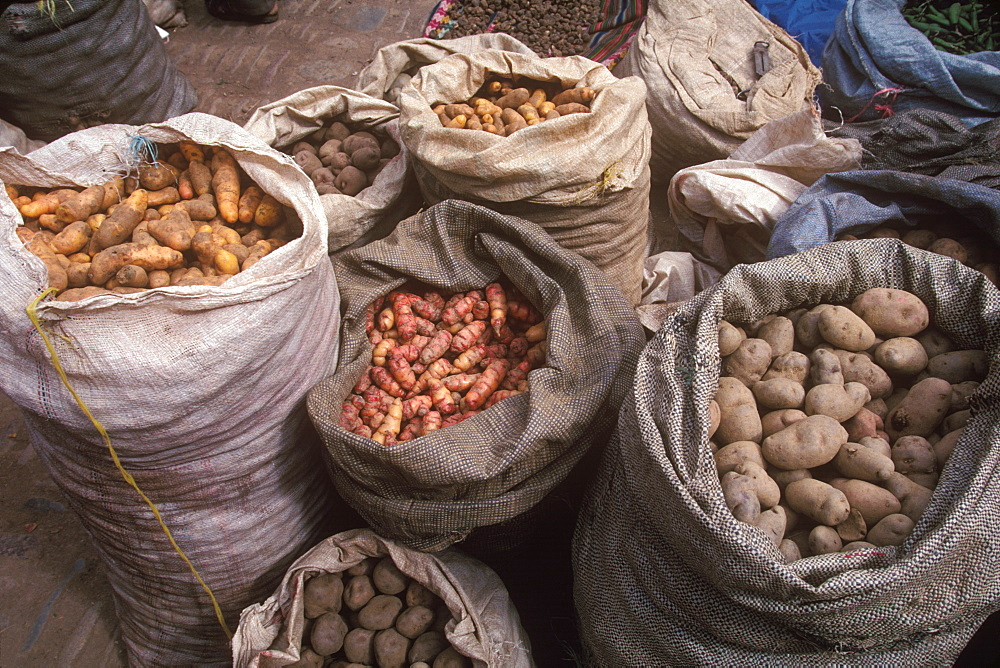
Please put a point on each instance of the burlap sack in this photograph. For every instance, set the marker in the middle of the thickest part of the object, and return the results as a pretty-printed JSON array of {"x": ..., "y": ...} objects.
[
  {"x": 201, "y": 391},
  {"x": 433, "y": 491},
  {"x": 705, "y": 98},
  {"x": 73, "y": 65},
  {"x": 375, "y": 210},
  {"x": 13, "y": 136},
  {"x": 665, "y": 575},
  {"x": 583, "y": 178},
  {"x": 486, "y": 627},
  {"x": 394, "y": 65},
  {"x": 726, "y": 209}
]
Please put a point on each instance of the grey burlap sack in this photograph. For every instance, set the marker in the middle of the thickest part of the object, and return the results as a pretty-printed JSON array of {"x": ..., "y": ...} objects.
[
  {"x": 201, "y": 391},
  {"x": 665, "y": 575},
  {"x": 489, "y": 469},
  {"x": 73, "y": 65},
  {"x": 705, "y": 96},
  {"x": 376, "y": 209},
  {"x": 584, "y": 178},
  {"x": 394, "y": 65},
  {"x": 486, "y": 627}
]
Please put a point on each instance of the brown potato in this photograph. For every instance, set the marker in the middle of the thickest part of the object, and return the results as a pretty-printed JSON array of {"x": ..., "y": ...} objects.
[
  {"x": 328, "y": 633},
  {"x": 818, "y": 501},
  {"x": 380, "y": 612},
  {"x": 387, "y": 577},
  {"x": 359, "y": 646},
  {"x": 323, "y": 593},
  {"x": 418, "y": 594},
  {"x": 391, "y": 649},
  {"x": 451, "y": 658},
  {"x": 415, "y": 621},
  {"x": 427, "y": 646},
  {"x": 358, "y": 590}
]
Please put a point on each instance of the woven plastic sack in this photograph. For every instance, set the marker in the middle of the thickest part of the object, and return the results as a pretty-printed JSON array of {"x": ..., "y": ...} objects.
[
  {"x": 876, "y": 64},
  {"x": 705, "y": 98},
  {"x": 584, "y": 178},
  {"x": 665, "y": 575},
  {"x": 725, "y": 209},
  {"x": 201, "y": 391},
  {"x": 14, "y": 137},
  {"x": 394, "y": 65},
  {"x": 433, "y": 491},
  {"x": 808, "y": 21},
  {"x": 856, "y": 202},
  {"x": 486, "y": 627},
  {"x": 376, "y": 209},
  {"x": 84, "y": 63}
]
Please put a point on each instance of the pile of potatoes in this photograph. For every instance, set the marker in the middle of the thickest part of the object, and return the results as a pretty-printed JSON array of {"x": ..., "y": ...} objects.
[
  {"x": 439, "y": 359},
  {"x": 504, "y": 105},
  {"x": 192, "y": 217},
  {"x": 831, "y": 424},
  {"x": 969, "y": 246},
  {"x": 342, "y": 161},
  {"x": 373, "y": 614}
]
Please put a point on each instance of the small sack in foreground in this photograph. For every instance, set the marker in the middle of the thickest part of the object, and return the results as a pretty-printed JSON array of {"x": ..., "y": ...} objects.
[{"x": 482, "y": 625}]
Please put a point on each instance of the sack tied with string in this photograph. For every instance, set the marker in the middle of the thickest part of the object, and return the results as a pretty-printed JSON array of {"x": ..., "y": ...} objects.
[
  {"x": 497, "y": 465},
  {"x": 485, "y": 625},
  {"x": 392, "y": 196},
  {"x": 664, "y": 573},
  {"x": 584, "y": 178},
  {"x": 201, "y": 391}
]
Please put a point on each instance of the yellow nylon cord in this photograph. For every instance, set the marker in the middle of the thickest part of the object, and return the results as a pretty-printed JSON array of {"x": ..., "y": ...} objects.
[
  {"x": 33, "y": 316},
  {"x": 598, "y": 189}
]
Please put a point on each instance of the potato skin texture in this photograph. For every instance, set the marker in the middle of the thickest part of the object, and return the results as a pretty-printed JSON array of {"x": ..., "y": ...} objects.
[
  {"x": 891, "y": 312},
  {"x": 810, "y": 442},
  {"x": 818, "y": 501}
]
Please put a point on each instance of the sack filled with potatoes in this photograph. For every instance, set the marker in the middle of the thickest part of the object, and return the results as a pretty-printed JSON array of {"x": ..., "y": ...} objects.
[{"x": 810, "y": 448}]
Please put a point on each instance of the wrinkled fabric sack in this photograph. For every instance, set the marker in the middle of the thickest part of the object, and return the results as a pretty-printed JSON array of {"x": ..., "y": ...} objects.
[
  {"x": 665, "y": 575},
  {"x": 858, "y": 201},
  {"x": 705, "y": 99},
  {"x": 202, "y": 393},
  {"x": 486, "y": 626},
  {"x": 584, "y": 178},
  {"x": 928, "y": 142},
  {"x": 808, "y": 21},
  {"x": 492, "y": 468},
  {"x": 15, "y": 138},
  {"x": 394, "y": 65},
  {"x": 88, "y": 63},
  {"x": 376, "y": 209},
  {"x": 670, "y": 278},
  {"x": 722, "y": 208},
  {"x": 876, "y": 63}
]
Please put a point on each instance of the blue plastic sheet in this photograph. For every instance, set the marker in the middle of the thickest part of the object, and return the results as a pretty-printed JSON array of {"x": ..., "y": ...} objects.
[
  {"x": 856, "y": 202},
  {"x": 876, "y": 64},
  {"x": 808, "y": 21}
]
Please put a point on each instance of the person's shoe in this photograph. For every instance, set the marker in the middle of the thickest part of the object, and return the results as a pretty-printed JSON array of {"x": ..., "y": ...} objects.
[{"x": 245, "y": 11}]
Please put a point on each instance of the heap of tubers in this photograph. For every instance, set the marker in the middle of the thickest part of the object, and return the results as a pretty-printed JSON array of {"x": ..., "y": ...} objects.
[
  {"x": 504, "y": 105},
  {"x": 831, "y": 424},
  {"x": 439, "y": 359},
  {"x": 373, "y": 614},
  {"x": 190, "y": 218},
  {"x": 341, "y": 161},
  {"x": 969, "y": 246}
]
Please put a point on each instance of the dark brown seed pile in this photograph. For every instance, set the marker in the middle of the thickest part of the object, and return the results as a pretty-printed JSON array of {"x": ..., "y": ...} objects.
[{"x": 548, "y": 27}]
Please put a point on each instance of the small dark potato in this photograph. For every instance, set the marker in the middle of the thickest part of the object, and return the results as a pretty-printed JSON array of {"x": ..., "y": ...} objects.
[
  {"x": 323, "y": 593},
  {"x": 389, "y": 148},
  {"x": 132, "y": 276},
  {"x": 380, "y": 612},
  {"x": 365, "y": 158},
  {"x": 328, "y": 189},
  {"x": 359, "y": 646},
  {"x": 329, "y": 148},
  {"x": 309, "y": 162},
  {"x": 387, "y": 577},
  {"x": 363, "y": 567},
  {"x": 391, "y": 649},
  {"x": 328, "y": 633},
  {"x": 303, "y": 146},
  {"x": 450, "y": 658},
  {"x": 351, "y": 180},
  {"x": 337, "y": 161},
  {"x": 415, "y": 621},
  {"x": 307, "y": 659},
  {"x": 427, "y": 646},
  {"x": 417, "y": 594},
  {"x": 323, "y": 175},
  {"x": 338, "y": 130},
  {"x": 358, "y": 591}
]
